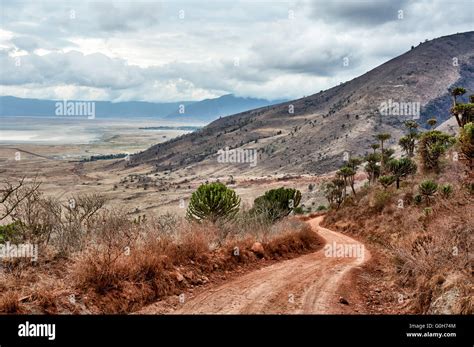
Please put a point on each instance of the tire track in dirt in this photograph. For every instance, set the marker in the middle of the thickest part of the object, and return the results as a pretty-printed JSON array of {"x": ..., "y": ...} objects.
[{"x": 304, "y": 285}]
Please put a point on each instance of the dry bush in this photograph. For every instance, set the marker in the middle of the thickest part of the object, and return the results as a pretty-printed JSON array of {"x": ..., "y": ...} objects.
[
  {"x": 381, "y": 199},
  {"x": 294, "y": 242},
  {"x": 10, "y": 302}
]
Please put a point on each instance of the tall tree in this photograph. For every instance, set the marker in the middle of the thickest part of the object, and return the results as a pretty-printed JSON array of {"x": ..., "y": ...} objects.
[
  {"x": 372, "y": 167},
  {"x": 375, "y": 146},
  {"x": 401, "y": 168},
  {"x": 455, "y": 92},
  {"x": 464, "y": 113},
  {"x": 382, "y": 138},
  {"x": 408, "y": 141}
]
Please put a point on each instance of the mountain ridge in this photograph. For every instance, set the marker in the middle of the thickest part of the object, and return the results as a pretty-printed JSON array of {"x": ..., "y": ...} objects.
[{"x": 323, "y": 126}]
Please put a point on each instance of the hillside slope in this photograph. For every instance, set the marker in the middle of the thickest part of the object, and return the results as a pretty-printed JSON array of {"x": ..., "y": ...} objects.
[{"x": 323, "y": 126}]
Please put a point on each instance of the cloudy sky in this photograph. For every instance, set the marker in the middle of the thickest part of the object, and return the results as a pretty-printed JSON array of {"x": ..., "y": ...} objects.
[{"x": 191, "y": 50}]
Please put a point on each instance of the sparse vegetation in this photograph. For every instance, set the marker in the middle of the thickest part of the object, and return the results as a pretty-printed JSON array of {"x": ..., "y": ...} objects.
[{"x": 425, "y": 237}]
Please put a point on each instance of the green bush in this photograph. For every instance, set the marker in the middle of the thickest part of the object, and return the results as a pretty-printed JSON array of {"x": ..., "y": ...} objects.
[
  {"x": 321, "y": 208},
  {"x": 428, "y": 189},
  {"x": 213, "y": 202},
  {"x": 276, "y": 203},
  {"x": 9, "y": 231},
  {"x": 446, "y": 190},
  {"x": 299, "y": 210},
  {"x": 418, "y": 199}
]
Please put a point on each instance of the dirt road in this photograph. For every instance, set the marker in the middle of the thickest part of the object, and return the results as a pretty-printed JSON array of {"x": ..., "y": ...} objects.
[{"x": 307, "y": 284}]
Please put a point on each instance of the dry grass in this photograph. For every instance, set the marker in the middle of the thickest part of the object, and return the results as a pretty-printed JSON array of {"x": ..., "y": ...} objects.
[
  {"x": 123, "y": 265},
  {"x": 10, "y": 302}
]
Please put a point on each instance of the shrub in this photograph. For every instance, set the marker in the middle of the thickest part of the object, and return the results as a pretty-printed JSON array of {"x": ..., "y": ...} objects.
[
  {"x": 386, "y": 181},
  {"x": 277, "y": 203},
  {"x": 381, "y": 199},
  {"x": 321, "y": 208},
  {"x": 9, "y": 231},
  {"x": 428, "y": 189},
  {"x": 213, "y": 202},
  {"x": 446, "y": 190},
  {"x": 10, "y": 302},
  {"x": 418, "y": 199},
  {"x": 299, "y": 210}
]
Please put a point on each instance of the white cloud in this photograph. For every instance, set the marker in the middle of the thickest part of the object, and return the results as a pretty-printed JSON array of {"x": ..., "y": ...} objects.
[{"x": 117, "y": 50}]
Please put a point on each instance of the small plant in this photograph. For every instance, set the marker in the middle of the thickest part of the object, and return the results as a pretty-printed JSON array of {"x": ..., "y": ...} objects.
[
  {"x": 213, "y": 202},
  {"x": 418, "y": 199},
  {"x": 387, "y": 181},
  {"x": 300, "y": 210},
  {"x": 321, "y": 208},
  {"x": 427, "y": 211},
  {"x": 428, "y": 189},
  {"x": 446, "y": 190}
]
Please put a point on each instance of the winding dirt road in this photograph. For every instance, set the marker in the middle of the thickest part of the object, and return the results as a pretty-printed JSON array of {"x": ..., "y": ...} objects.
[{"x": 307, "y": 284}]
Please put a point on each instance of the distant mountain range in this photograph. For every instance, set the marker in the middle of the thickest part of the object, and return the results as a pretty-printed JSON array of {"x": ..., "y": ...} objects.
[
  {"x": 203, "y": 111},
  {"x": 211, "y": 109}
]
